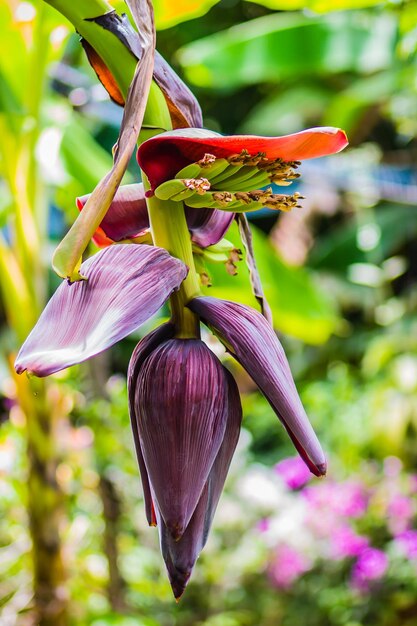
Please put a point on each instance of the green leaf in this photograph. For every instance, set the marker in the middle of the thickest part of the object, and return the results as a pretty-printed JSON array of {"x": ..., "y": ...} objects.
[
  {"x": 84, "y": 159},
  {"x": 278, "y": 47},
  {"x": 9, "y": 103},
  {"x": 319, "y": 6},
  {"x": 169, "y": 13},
  {"x": 288, "y": 111},
  {"x": 298, "y": 305},
  {"x": 395, "y": 224},
  {"x": 349, "y": 105},
  {"x": 6, "y": 203},
  {"x": 13, "y": 61}
]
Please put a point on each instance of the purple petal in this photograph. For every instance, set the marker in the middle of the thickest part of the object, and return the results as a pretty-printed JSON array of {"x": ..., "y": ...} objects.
[
  {"x": 140, "y": 353},
  {"x": 252, "y": 341},
  {"x": 180, "y": 556},
  {"x": 126, "y": 285},
  {"x": 207, "y": 226},
  {"x": 293, "y": 472},
  {"x": 127, "y": 215},
  {"x": 181, "y": 407}
]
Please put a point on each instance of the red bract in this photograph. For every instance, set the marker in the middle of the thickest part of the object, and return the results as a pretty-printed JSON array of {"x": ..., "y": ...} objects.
[
  {"x": 169, "y": 479},
  {"x": 180, "y": 556},
  {"x": 164, "y": 155},
  {"x": 181, "y": 405}
]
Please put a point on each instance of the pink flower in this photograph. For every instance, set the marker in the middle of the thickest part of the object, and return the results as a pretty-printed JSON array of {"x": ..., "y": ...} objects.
[
  {"x": 407, "y": 541},
  {"x": 351, "y": 500},
  {"x": 413, "y": 483},
  {"x": 347, "y": 499},
  {"x": 370, "y": 566},
  {"x": 288, "y": 566},
  {"x": 346, "y": 543},
  {"x": 400, "y": 513},
  {"x": 263, "y": 525},
  {"x": 293, "y": 472}
]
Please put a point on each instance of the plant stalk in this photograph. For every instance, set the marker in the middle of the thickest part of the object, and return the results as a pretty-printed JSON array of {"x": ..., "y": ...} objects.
[
  {"x": 45, "y": 500},
  {"x": 170, "y": 231}
]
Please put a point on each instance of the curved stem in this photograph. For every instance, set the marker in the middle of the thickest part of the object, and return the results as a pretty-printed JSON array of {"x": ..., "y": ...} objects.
[
  {"x": 117, "y": 57},
  {"x": 170, "y": 231}
]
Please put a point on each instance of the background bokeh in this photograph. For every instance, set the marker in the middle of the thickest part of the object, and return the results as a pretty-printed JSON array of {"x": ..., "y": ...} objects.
[{"x": 340, "y": 274}]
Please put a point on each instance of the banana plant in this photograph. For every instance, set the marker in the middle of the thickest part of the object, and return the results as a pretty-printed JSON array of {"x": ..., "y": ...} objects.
[{"x": 184, "y": 405}]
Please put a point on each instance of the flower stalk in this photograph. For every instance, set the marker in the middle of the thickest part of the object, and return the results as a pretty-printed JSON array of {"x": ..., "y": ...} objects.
[{"x": 169, "y": 230}]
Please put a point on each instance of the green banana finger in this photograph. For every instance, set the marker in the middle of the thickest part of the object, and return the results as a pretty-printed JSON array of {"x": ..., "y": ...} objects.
[
  {"x": 183, "y": 195},
  {"x": 245, "y": 208},
  {"x": 256, "y": 182},
  {"x": 230, "y": 170},
  {"x": 224, "y": 245},
  {"x": 215, "y": 257},
  {"x": 190, "y": 171},
  {"x": 202, "y": 202},
  {"x": 246, "y": 174},
  {"x": 214, "y": 169},
  {"x": 169, "y": 188}
]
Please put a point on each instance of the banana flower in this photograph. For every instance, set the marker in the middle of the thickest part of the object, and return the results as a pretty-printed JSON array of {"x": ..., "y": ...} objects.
[{"x": 184, "y": 405}]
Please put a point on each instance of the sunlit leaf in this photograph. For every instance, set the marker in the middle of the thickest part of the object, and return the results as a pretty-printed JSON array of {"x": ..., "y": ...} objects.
[
  {"x": 319, "y": 6},
  {"x": 394, "y": 224},
  {"x": 349, "y": 105},
  {"x": 169, "y": 13},
  {"x": 13, "y": 63},
  {"x": 288, "y": 110},
  {"x": 277, "y": 47}
]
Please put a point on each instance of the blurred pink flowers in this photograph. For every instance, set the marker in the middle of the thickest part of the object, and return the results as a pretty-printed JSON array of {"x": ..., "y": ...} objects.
[
  {"x": 370, "y": 566},
  {"x": 288, "y": 566},
  {"x": 293, "y": 472},
  {"x": 407, "y": 541},
  {"x": 346, "y": 499},
  {"x": 361, "y": 523},
  {"x": 345, "y": 542},
  {"x": 400, "y": 512}
]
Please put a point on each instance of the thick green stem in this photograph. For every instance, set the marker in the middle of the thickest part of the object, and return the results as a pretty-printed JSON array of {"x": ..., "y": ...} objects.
[
  {"x": 114, "y": 53},
  {"x": 170, "y": 231}
]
